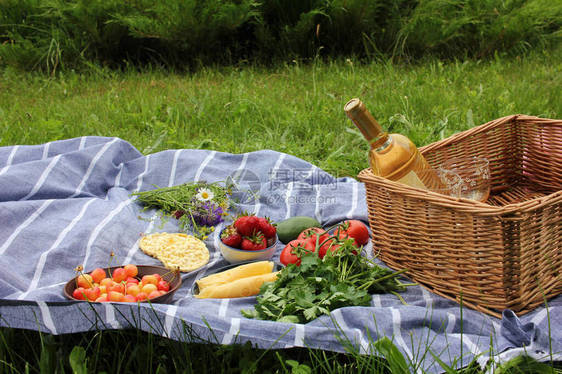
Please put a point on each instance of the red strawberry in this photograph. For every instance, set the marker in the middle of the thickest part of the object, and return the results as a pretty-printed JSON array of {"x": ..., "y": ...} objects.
[
  {"x": 247, "y": 225},
  {"x": 254, "y": 243},
  {"x": 230, "y": 237},
  {"x": 266, "y": 227}
]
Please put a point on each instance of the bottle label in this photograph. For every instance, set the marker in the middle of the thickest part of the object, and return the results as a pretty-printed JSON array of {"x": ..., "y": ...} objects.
[{"x": 412, "y": 179}]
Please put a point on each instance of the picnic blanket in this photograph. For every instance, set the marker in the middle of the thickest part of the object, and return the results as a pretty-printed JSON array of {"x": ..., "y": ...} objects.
[{"x": 68, "y": 203}]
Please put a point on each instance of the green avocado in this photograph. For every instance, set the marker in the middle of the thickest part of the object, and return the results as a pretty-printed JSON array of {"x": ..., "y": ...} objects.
[{"x": 290, "y": 228}]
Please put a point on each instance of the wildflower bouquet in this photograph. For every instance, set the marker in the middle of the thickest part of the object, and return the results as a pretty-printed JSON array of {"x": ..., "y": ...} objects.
[{"x": 198, "y": 206}]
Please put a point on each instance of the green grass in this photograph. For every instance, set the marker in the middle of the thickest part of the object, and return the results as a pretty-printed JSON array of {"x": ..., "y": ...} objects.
[
  {"x": 291, "y": 108},
  {"x": 135, "y": 351}
]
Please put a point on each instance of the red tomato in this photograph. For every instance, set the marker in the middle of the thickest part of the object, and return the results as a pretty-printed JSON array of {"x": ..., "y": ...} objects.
[
  {"x": 329, "y": 245},
  {"x": 289, "y": 257},
  {"x": 311, "y": 234},
  {"x": 342, "y": 235},
  {"x": 354, "y": 229},
  {"x": 308, "y": 245}
]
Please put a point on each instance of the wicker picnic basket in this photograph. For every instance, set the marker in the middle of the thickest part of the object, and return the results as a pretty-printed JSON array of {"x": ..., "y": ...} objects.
[{"x": 505, "y": 253}]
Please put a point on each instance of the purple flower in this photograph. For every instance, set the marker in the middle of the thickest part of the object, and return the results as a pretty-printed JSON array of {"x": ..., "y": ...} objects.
[{"x": 208, "y": 214}]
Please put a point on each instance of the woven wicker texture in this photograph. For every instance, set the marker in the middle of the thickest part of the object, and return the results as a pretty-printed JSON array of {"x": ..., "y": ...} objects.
[{"x": 505, "y": 253}]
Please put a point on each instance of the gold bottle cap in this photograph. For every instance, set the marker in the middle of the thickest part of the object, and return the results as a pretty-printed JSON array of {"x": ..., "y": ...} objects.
[
  {"x": 354, "y": 106},
  {"x": 365, "y": 122}
]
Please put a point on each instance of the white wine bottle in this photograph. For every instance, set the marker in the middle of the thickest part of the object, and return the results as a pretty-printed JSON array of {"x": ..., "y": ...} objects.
[{"x": 392, "y": 156}]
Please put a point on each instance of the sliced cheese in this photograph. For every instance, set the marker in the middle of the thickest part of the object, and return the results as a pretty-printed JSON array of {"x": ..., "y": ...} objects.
[
  {"x": 230, "y": 275},
  {"x": 242, "y": 287}
]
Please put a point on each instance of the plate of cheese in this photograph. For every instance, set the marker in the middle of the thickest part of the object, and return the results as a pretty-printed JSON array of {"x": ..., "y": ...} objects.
[
  {"x": 176, "y": 250},
  {"x": 236, "y": 280}
]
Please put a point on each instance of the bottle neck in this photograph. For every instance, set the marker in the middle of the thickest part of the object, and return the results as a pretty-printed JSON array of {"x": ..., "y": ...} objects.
[{"x": 366, "y": 123}]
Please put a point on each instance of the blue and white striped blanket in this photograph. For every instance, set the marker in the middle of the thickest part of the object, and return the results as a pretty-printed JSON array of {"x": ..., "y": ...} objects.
[{"x": 68, "y": 203}]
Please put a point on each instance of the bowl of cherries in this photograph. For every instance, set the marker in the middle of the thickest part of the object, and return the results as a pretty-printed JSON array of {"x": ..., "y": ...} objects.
[{"x": 128, "y": 283}]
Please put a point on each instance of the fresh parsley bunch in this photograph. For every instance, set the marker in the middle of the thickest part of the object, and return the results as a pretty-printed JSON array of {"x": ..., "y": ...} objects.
[{"x": 316, "y": 287}]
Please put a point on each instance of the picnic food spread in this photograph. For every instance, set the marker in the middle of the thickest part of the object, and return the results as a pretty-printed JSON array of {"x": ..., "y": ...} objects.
[
  {"x": 323, "y": 268},
  {"x": 327, "y": 262},
  {"x": 118, "y": 229}
]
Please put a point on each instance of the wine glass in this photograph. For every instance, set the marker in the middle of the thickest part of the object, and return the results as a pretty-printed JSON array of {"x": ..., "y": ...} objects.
[{"x": 474, "y": 173}]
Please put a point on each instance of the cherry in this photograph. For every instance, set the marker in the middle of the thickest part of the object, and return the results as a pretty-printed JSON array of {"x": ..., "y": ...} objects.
[
  {"x": 115, "y": 296},
  {"x": 163, "y": 286},
  {"x": 149, "y": 279},
  {"x": 84, "y": 280},
  {"x": 98, "y": 274},
  {"x": 119, "y": 275},
  {"x": 131, "y": 270},
  {"x": 154, "y": 294},
  {"x": 148, "y": 288},
  {"x": 79, "y": 293}
]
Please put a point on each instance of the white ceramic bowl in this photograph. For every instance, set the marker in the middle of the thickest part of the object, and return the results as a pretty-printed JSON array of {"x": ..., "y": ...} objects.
[{"x": 236, "y": 255}]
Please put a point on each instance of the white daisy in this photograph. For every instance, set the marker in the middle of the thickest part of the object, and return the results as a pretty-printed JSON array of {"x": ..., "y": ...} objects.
[{"x": 204, "y": 194}]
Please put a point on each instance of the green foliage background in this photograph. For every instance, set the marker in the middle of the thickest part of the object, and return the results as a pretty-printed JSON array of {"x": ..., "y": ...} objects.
[{"x": 47, "y": 35}]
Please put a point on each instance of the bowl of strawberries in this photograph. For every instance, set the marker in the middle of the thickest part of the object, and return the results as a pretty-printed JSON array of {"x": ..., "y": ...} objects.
[{"x": 248, "y": 238}]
